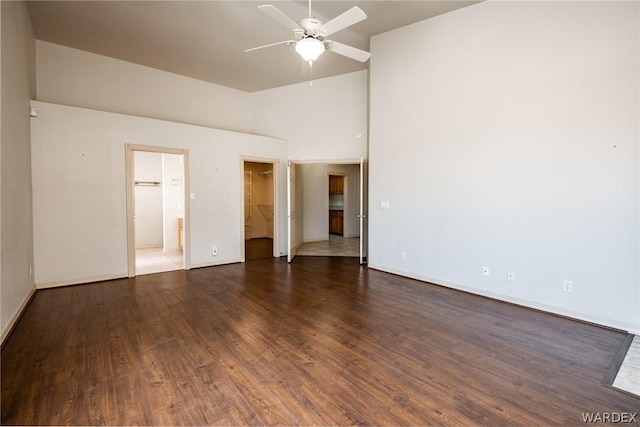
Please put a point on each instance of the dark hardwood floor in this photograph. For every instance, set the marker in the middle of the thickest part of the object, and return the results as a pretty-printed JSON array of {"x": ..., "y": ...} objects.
[
  {"x": 320, "y": 341},
  {"x": 258, "y": 248}
]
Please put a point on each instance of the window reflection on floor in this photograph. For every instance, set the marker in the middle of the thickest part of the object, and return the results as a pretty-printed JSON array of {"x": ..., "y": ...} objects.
[{"x": 628, "y": 378}]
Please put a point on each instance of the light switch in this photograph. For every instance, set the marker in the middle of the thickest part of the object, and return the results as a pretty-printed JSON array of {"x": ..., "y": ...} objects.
[
  {"x": 385, "y": 204},
  {"x": 193, "y": 196}
]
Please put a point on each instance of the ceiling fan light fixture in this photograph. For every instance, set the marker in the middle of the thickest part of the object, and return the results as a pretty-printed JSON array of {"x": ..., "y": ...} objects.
[{"x": 309, "y": 49}]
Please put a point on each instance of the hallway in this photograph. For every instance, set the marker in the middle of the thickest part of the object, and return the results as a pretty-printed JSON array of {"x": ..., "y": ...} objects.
[{"x": 335, "y": 246}]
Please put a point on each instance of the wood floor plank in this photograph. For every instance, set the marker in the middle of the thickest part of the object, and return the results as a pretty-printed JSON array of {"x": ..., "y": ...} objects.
[{"x": 321, "y": 341}]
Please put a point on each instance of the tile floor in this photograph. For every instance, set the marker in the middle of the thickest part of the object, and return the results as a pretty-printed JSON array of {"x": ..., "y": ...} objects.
[
  {"x": 154, "y": 260},
  {"x": 628, "y": 377},
  {"x": 335, "y": 246}
]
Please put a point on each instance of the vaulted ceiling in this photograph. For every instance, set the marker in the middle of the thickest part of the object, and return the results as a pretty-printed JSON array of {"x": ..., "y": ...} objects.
[{"x": 206, "y": 39}]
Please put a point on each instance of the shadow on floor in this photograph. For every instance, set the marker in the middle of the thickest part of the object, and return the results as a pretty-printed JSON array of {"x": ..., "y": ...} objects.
[{"x": 258, "y": 248}]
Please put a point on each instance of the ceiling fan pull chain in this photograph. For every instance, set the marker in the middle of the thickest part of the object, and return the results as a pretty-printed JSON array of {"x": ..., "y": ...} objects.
[{"x": 310, "y": 73}]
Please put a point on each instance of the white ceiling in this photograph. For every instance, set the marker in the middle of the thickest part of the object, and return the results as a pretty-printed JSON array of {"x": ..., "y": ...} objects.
[{"x": 206, "y": 39}]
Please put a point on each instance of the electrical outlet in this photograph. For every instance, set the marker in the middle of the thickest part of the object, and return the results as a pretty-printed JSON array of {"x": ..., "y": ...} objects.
[
  {"x": 511, "y": 275},
  {"x": 567, "y": 286},
  {"x": 30, "y": 271},
  {"x": 403, "y": 256},
  {"x": 485, "y": 271},
  {"x": 214, "y": 250}
]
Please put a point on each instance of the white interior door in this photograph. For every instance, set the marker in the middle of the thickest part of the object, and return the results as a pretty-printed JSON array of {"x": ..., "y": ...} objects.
[
  {"x": 291, "y": 210},
  {"x": 364, "y": 203}
]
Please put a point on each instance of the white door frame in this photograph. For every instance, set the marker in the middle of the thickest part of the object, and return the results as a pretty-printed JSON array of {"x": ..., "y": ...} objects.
[
  {"x": 275, "y": 163},
  {"x": 364, "y": 196},
  {"x": 364, "y": 211},
  {"x": 291, "y": 210},
  {"x": 130, "y": 183}
]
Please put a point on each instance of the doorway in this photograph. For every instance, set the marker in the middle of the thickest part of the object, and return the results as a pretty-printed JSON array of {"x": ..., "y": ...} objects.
[
  {"x": 332, "y": 213},
  {"x": 258, "y": 210},
  {"x": 157, "y": 209}
]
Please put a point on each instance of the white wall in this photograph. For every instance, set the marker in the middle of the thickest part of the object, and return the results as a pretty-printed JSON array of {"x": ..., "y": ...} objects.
[
  {"x": 315, "y": 199},
  {"x": 17, "y": 86},
  {"x": 79, "y": 189},
  {"x": 149, "y": 223},
  {"x": 321, "y": 122},
  {"x": 83, "y": 79},
  {"x": 505, "y": 134}
]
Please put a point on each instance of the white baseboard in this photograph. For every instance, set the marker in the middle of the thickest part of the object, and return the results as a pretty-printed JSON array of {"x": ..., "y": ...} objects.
[
  {"x": 151, "y": 246},
  {"x": 80, "y": 281},
  {"x": 16, "y": 316},
  {"x": 214, "y": 264},
  {"x": 608, "y": 323}
]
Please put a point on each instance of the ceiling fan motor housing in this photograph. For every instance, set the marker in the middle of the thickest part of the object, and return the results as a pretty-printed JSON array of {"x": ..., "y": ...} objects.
[{"x": 313, "y": 27}]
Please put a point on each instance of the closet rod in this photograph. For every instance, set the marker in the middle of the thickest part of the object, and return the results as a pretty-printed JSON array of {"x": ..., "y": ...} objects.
[{"x": 148, "y": 183}]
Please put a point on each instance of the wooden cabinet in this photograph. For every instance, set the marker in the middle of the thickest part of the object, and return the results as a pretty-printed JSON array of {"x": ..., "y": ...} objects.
[
  {"x": 336, "y": 184},
  {"x": 336, "y": 222},
  {"x": 336, "y": 218}
]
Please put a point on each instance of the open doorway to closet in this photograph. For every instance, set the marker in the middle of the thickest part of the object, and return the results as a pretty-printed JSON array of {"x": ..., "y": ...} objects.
[
  {"x": 259, "y": 194},
  {"x": 157, "y": 209}
]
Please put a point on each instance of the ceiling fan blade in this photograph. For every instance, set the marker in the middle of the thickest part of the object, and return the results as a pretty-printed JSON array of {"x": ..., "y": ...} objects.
[
  {"x": 347, "y": 19},
  {"x": 288, "y": 42},
  {"x": 348, "y": 51},
  {"x": 275, "y": 13}
]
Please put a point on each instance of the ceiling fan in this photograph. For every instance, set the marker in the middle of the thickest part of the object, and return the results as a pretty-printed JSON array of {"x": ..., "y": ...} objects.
[{"x": 310, "y": 34}]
